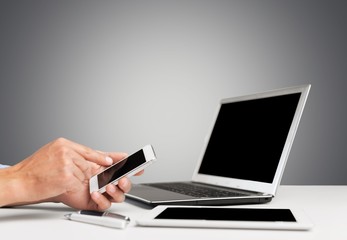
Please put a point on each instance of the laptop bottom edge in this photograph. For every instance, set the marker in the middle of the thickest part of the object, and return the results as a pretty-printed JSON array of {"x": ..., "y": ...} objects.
[{"x": 208, "y": 202}]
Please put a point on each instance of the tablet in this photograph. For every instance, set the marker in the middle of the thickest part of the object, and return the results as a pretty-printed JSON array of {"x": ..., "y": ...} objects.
[{"x": 226, "y": 217}]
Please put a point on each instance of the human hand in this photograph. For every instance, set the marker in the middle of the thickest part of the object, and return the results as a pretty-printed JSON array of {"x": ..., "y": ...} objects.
[
  {"x": 60, "y": 172},
  {"x": 82, "y": 199}
]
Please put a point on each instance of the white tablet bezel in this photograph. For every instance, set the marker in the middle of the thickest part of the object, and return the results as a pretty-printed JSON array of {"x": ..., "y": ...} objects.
[{"x": 148, "y": 220}]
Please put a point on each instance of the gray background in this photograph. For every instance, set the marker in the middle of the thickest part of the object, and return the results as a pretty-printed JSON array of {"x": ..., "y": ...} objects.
[{"x": 117, "y": 75}]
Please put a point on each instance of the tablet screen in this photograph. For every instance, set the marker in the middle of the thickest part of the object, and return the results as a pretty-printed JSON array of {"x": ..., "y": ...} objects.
[{"x": 228, "y": 214}]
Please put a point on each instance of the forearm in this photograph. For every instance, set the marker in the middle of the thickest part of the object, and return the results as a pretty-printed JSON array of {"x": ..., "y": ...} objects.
[
  {"x": 10, "y": 187},
  {"x": 18, "y": 189}
]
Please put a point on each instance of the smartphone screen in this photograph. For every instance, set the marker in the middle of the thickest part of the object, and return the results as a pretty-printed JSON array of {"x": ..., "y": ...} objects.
[
  {"x": 228, "y": 214},
  {"x": 121, "y": 168}
]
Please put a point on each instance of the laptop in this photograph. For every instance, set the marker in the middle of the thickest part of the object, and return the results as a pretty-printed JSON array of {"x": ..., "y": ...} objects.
[{"x": 243, "y": 160}]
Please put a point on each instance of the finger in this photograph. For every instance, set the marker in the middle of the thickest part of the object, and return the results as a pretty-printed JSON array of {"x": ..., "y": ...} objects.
[
  {"x": 117, "y": 156},
  {"x": 73, "y": 179},
  {"x": 73, "y": 168},
  {"x": 124, "y": 184},
  {"x": 78, "y": 174},
  {"x": 92, "y": 155},
  {"x": 140, "y": 173},
  {"x": 101, "y": 201},
  {"x": 84, "y": 166},
  {"x": 115, "y": 193}
]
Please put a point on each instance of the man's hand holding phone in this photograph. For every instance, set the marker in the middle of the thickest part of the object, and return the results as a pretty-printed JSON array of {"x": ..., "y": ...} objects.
[{"x": 129, "y": 166}]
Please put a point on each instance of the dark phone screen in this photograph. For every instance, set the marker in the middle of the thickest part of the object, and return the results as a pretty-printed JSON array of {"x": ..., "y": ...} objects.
[
  {"x": 228, "y": 214},
  {"x": 121, "y": 168}
]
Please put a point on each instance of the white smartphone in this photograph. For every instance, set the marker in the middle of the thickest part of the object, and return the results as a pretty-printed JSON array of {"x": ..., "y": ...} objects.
[
  {"x": 128, "y": 166},
  {"x": 226, "y": 217}
]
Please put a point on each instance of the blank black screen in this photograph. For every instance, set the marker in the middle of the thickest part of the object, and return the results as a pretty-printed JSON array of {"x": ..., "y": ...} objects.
[
  {"x": 248, "y": 138},
  {"x": 121, "y": 168},
  {"x": 228, "y": 214}
]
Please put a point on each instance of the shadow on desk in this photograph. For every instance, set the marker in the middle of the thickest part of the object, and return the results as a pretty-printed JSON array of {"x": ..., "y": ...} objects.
[
  {"x": 32, "y": 212},
  {"x": 138, "y": 204}
]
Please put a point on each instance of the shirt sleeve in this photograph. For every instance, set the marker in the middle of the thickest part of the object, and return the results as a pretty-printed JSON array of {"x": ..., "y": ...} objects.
[{"x": 3, "y": 166}]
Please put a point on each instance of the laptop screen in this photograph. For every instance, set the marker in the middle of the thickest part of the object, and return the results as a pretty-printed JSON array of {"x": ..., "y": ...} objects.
[{"x": 248, "y": 138}]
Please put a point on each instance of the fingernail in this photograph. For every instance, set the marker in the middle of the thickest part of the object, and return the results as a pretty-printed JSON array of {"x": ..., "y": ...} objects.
[
  {"x": 109, "y": 160},
  {"x": 96, "y": 195},
  {"x": 125, "y": 183},
  {"x": 112, "y": 188}
]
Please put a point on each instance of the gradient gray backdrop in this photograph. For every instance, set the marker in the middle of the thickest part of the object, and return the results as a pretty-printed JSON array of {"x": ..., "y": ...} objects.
[{"x": 116, "y": 75}]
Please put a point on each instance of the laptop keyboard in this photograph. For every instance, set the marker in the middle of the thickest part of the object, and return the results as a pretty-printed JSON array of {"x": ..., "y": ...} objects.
[{"x": 194, "y": 190}]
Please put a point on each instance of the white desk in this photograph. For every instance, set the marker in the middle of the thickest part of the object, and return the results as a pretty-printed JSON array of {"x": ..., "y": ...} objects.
[{"x": 325, "y": 205}]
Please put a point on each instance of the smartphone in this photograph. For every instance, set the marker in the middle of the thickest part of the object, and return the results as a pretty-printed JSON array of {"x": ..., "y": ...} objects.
[
  {"x": 128, "y": 166},
  {"x": 226, "y": 217}
]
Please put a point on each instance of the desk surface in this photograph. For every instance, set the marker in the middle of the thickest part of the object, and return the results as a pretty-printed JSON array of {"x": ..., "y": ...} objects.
[{"x": 325, "y": 205}]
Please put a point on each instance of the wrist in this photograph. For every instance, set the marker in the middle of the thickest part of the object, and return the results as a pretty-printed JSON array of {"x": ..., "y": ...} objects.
[{"x": 11, "y": 190}]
